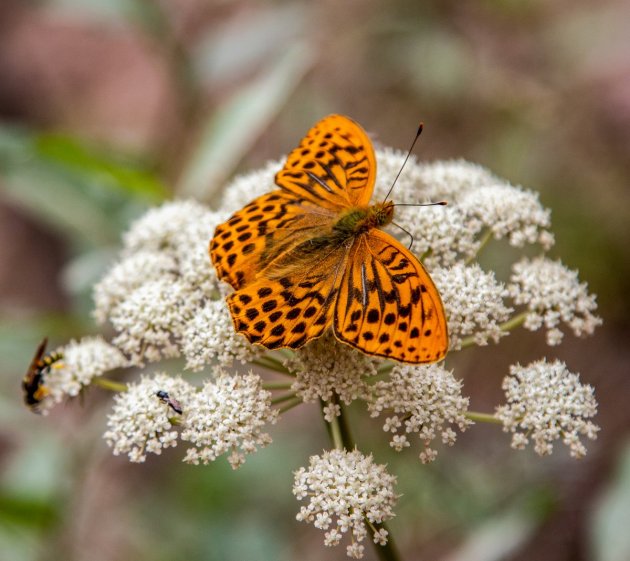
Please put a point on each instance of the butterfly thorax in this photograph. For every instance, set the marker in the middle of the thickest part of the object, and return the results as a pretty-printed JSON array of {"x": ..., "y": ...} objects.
[{"x": 359, "y": 220}]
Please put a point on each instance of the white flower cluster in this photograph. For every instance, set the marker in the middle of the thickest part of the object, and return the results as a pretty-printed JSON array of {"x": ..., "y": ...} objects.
[
  {"x": 473, "y": 303},
  {"x": 546, "y": 402},
  {"x": 82, "y": 361},
  {"x": 326, "y": 367},
  {"x": 553, "y": 296},
  {"x": 344, "y": 490},
  {"x": 140, "y": 422},
  {"x": 161, "y": 295},
  {"x": 210, "y": 335},
  {"x": 425, "y": 400},
  {"x": 478, "y": 202},
  {"x": 228, "y": 415}
]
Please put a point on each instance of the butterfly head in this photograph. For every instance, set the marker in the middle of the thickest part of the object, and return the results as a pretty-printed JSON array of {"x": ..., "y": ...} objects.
[{"x": 381, "y": 214}]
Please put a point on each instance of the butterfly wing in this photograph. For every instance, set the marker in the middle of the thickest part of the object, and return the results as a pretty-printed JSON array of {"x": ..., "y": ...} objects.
[
  {"x": 334, "y": 166},
  {"x": 291, "y": 302},
  {"x": 261, "y": 231},
  {"x": 388, "y": 305}
]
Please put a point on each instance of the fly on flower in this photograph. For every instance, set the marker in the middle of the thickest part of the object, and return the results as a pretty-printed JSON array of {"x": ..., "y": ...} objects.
[
  {"x": 311, "y": 255},
  {"x": 33, "y": 382},
  {"x": 164, "y": 397}
]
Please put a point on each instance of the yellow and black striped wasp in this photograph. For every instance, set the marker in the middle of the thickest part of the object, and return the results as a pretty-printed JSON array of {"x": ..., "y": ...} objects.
[{"x": 33, "y": 382}]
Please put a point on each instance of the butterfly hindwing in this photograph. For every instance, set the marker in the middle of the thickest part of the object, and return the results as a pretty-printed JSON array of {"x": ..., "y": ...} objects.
[
  {"x": 388, "y": 305},
  {"x": 334, "y": 166},
  {"x": 292, "y": 301}
]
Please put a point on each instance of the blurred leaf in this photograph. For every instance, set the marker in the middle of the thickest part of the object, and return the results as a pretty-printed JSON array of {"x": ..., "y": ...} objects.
[
  {"x": 119, "y": 174},
  {"x": 234, "y": 127},
  {"x": 223, "y": 57},
  {"x": 496, "y": 539},
  {"x": 609, "y": 529},
  {"x": 26, "y": 511},
  {"x": 87, "y": 196}
]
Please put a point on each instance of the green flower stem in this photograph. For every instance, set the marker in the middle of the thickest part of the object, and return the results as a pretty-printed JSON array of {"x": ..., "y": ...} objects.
[
  {"x": 339, "y": 431},
  {"x": 296, "y": 401},
  {"x": 346, "y": 436},
  {"x": 335, "y": 432},
  {"x": 107, "y": 384},
  {"x": 272, "y": 364},
  {"x": 482, "y": 418},
  {"x": 389, "y": 551},
  {"x": 276, "y": 386},
  {"x": 487, "y": 236},
  {"x": 509, "y": 325},
  {"x": 516, "y": 321},
  {"x": 283, "y": 398}
]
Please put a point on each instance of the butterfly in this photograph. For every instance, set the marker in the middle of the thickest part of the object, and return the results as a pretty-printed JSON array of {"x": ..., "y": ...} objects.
[
  {"x": 311, "y": 255},
  {"x": 33, "y": 382}
]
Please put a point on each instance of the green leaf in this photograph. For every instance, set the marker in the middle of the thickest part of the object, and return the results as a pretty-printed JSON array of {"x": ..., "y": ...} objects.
[
  {"x": 609, "y": 529},
  {"x": 112, "y": 170},
  {"x": 86, "y": 194}
]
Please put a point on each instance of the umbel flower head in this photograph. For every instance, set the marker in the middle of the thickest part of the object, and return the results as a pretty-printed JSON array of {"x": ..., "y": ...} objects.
[
  {"x": 553, "y": 296},
  {"x": 82, "y": 361},
  {"x": 140, "y": 422},
  {"x": 346, "y": 491},
  {"x": 326, "y": 368},
  {"x": 161, "y": 297},
  {"x": 546, "y": 402},
  {"x": 425, "y": 400},
  {"x": 228, "y": 415}
]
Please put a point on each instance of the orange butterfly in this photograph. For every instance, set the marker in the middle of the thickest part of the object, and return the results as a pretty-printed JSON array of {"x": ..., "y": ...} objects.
[{"x": 310, "y": 255}]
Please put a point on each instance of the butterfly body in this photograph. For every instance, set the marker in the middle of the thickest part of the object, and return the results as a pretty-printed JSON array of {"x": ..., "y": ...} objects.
[{"x": 311, "y": 255}]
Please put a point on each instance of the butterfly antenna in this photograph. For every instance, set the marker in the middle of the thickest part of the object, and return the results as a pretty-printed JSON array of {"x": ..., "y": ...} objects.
[{"x": 420, "y": 127}]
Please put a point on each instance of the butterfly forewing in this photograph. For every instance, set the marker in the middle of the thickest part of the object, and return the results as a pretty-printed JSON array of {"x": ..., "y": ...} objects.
[
  {"x": 255, "y": 235},
  {"x": 334, "y": 166},
  {"x": 292, "y": 301},
  {"x": 388, "y": 305}
]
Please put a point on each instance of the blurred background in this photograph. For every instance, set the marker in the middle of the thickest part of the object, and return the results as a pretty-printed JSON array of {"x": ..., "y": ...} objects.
[{"x": 108, "y": 107}]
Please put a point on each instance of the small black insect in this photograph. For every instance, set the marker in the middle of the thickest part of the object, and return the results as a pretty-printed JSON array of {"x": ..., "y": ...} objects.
[{"x": 170, "y": 401}]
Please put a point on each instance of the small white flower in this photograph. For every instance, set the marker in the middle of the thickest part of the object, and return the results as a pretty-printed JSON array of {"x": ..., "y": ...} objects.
[
  {"x": 553, "y": 296},
  {"x": 473, "y": 302},
  {"x": 343, "y": 489},
  {"x": 326, "y": 367},
  {"x": 423, "y": 399},
  {"x": 81, "y": 362},
  {"x": 139, "y": 422},
  {"x": 546, "y": 402},
  {"x": 331, "y": 410},
  {"x": 129, "y": 274},
  {"x": 509, "y": 212},
  {"x": 478, "y": 201},
  {"x": 165, "y": 228},
  {"x": 244, "y": 188},
  {"x": 150, "y": 322},
  {"x": 228, "y": 416},
  {"x": 210, "y": 337},
  {"x": 432, "y": 181}
]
